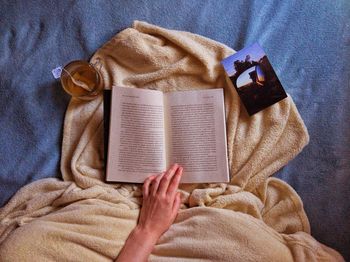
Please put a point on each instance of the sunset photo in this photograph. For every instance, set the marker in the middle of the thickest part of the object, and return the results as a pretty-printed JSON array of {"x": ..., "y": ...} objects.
[{"x": 254, "y": 78}]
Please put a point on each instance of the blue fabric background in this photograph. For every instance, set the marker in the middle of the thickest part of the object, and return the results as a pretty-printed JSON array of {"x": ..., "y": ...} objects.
[{"x": 308, "y": 43}]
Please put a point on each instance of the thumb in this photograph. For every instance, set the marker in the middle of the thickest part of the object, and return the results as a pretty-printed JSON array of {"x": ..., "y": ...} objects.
[{"x": 176, "y": 204}]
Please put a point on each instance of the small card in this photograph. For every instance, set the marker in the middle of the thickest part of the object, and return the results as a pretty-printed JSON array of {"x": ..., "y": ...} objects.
[
  {"x": 57, "y": 72},
  {"x": 254, "y": 79}
]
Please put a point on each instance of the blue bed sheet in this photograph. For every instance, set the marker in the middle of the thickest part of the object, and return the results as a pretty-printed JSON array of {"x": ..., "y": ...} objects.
[{"x": 307, "y": 42}]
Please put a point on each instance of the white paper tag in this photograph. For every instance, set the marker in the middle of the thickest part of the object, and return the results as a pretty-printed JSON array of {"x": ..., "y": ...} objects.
[{"x": 57, "y": 72}]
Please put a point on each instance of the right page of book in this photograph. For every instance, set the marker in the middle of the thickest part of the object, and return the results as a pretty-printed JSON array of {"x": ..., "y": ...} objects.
[{"x": 196, "y": 134}]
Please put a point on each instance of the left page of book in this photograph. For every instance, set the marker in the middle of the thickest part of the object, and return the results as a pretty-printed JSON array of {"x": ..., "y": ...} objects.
[{"x": 136, "y": 137}]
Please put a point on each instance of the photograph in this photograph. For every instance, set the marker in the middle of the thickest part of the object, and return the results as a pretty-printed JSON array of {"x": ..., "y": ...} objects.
[
  {"x": 163, "y": 130},
  {"x": 254, "y": 78}
]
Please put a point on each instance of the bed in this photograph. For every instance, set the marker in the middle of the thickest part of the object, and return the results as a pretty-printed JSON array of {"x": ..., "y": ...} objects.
[{"x": 308, "y": 44}]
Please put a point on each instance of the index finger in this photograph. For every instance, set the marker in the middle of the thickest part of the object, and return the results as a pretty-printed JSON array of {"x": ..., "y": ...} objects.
[
  {"x": 166, "y": 179},
  {"x": 174, "y": 184}
]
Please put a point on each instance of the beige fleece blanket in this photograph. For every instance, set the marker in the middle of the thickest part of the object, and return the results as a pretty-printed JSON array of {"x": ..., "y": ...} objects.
[{"x": 254, "y": 218}]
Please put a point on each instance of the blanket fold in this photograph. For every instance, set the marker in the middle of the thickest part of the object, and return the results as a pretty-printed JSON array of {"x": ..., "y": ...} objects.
[{"x": 253, "y": 218}]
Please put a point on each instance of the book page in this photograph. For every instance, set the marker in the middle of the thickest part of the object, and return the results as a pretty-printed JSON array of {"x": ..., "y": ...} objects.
[
  {"x": 136, "y": 140},
  {"x": 196, "y": 134}
]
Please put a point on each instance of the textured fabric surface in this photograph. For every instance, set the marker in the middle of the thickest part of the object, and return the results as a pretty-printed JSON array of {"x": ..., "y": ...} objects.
[
  {"x": 253, "y": 218},
  {"x": 307, "y": 43}
]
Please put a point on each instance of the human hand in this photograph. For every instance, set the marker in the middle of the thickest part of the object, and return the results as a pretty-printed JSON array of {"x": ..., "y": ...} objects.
[
  {"x": 160, "y": 205},
  {"x": 161, "y": 202}
]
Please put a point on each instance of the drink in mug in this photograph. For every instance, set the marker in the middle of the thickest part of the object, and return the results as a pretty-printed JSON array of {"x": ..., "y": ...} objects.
[{"x": 81, "y": 80}]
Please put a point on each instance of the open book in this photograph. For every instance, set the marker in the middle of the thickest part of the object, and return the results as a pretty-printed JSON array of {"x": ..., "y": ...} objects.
[{"x": 150, "y": 130}]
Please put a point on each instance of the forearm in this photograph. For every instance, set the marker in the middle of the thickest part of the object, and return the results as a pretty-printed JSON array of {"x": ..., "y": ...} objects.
[
  {"x": 138, "y": 246},
  {"x": 160, "y": 205}
]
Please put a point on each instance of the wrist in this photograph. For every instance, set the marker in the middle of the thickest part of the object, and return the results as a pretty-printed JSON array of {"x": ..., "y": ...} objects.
[
  {"x": 138, "y": 246},
  {"x": 144, "y": 236}
]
